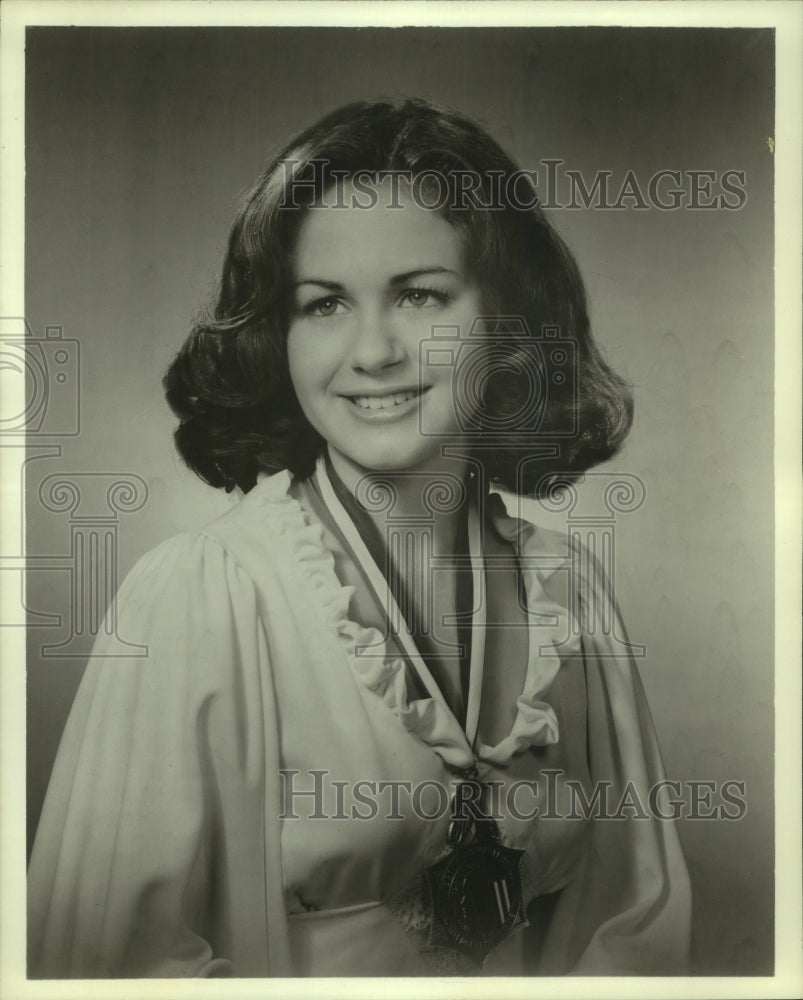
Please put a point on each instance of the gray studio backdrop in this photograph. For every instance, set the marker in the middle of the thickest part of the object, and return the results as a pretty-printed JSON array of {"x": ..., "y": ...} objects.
[{"x": 138, "y": 145}]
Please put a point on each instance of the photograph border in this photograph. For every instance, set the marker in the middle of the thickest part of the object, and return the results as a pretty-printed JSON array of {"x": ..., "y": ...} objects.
[{"x": 787, "y": 20}]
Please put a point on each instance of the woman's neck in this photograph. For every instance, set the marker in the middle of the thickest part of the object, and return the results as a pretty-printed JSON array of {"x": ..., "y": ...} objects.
[
  {"x": 428, "y": 499},
  {"x": 421, "y": 518}
]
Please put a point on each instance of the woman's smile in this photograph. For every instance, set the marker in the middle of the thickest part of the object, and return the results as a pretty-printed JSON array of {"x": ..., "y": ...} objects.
[
  {"x": 389, "y": 405},
  {"x": 385, "y": 402}
]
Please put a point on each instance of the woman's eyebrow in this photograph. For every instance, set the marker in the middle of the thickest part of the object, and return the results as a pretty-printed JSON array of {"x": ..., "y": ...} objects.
[
  {"x": 400, "y": 279},
  {"x": 397, "y": 279},
  {"x": 333, "y": 286}
]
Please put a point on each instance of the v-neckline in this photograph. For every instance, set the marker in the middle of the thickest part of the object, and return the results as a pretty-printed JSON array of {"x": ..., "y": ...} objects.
[
  {"x": 403, "y": 635},
  {"x": 453, "y": 688},
  {"x": 551, "y": 638}
]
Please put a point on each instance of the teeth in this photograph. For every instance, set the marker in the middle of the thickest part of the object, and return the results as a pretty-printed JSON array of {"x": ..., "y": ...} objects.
[{"x": 383, "y": 402}]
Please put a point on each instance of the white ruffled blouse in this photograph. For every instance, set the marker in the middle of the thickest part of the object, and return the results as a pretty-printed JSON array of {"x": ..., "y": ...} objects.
[{"x": 178, "y": 837}]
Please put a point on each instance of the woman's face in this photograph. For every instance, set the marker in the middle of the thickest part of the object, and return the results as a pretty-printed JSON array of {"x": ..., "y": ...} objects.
[{"x": 370, "y": 285}]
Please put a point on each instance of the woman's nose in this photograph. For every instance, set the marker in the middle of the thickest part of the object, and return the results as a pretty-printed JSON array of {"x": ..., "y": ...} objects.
[{"x": 375, "y": 344}]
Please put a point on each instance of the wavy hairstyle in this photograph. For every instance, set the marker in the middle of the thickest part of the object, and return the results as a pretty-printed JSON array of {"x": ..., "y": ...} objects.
[{"x": 230, "y": 384}]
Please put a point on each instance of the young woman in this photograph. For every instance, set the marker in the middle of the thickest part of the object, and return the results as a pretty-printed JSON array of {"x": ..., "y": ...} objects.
[{"x": 374, "y": 733}]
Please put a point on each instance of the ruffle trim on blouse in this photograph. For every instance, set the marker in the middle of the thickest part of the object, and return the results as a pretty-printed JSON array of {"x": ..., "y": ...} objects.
[
  {"x": 385, "y": 676},
  {"x": 551, "y": 642}
]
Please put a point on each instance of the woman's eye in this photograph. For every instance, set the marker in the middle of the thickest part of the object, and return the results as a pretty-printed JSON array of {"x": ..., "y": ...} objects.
[
  {"x": 323, "y": 307},
  {"x": 421, "y": 298}
]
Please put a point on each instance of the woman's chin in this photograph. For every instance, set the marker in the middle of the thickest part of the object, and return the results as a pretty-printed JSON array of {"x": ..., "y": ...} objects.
[{"x": 394, "y": 458}]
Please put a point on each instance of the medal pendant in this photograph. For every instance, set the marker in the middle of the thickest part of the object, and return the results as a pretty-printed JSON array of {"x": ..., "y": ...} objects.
[{"x": 476, "y": 898}]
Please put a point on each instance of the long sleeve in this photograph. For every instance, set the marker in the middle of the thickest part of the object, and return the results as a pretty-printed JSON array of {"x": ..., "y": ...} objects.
[
  {"x": 628, "y": 910},
  {"x": 153, "y": 856}
]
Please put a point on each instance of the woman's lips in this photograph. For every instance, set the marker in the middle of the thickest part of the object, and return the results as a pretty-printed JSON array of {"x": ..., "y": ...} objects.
[
  {"x": 383, "y": 402},
  {"x": 387, "y": 405}
]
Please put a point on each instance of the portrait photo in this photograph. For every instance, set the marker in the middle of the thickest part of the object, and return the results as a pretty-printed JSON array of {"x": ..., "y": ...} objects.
[{"x": 396, "y": 430}]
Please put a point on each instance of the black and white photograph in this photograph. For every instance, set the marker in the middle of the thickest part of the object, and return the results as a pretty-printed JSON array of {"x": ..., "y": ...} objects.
[{"x": 396, "y": 463}]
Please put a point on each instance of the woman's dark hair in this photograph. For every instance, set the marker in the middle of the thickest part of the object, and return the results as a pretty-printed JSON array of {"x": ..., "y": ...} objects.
[{"x": 550, "y": 405}]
